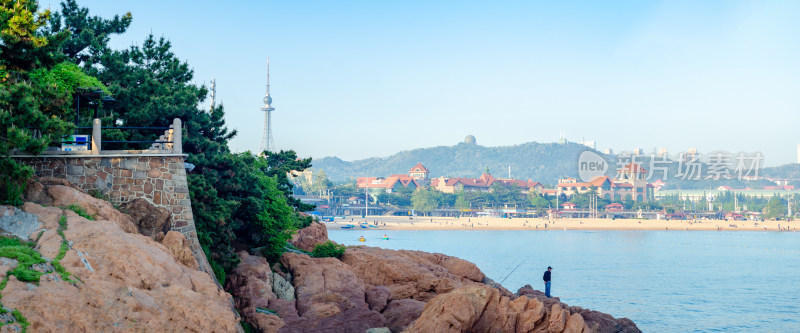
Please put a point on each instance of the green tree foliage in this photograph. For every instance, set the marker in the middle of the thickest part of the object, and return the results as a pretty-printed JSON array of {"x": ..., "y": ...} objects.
[
  {"x": 35, "y": 90},
  {"x": 424, "y": 201},
  {"x": 280, "y": 165},
  {"x": 89, "y": 35},
  {"x": 775, "y": 208}
]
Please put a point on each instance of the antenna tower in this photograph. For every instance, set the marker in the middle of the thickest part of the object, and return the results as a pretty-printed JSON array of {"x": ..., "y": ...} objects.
[{"x": 267, "y": 144}]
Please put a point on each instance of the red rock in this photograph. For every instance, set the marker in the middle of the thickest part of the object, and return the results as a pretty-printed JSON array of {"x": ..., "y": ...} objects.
[
  {"x": 329, "y": 295},
  {"x": 149, "y": 219},
  {"x": 378, "y": 297},
  {"x": 178, "y": 245},
  {"x": 127, "y": 282},
  {"x": 402, "y": 312},
  {"x": 411, "y": 274},
  {"x": 251, "y": 285},
  {"x": 306, "y": 238}
]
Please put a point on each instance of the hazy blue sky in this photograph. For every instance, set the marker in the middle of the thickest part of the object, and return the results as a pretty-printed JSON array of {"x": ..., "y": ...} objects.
[{"x": 371, "y": 78}]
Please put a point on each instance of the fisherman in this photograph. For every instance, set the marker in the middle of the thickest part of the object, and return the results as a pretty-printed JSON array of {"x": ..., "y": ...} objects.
[{"x": 546, "y": 279}]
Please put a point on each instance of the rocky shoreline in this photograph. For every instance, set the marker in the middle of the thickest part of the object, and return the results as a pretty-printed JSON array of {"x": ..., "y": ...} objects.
[
  {"x": 379, "y": 290},
  {"x": 129, "y": 272}
]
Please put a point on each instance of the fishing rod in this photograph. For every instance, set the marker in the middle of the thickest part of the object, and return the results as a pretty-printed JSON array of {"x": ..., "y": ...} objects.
[{"x": 513, "y": 270}]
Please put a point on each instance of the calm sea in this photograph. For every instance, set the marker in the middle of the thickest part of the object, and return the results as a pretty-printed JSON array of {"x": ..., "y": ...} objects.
[{"x": 665, "y": 281}]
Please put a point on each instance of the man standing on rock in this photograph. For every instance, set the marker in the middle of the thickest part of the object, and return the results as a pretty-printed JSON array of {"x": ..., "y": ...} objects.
[{"x": 546, "y": 278}]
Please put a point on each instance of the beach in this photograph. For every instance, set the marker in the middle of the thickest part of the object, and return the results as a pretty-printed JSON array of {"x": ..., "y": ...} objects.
[{"x": 495, "y": 223}]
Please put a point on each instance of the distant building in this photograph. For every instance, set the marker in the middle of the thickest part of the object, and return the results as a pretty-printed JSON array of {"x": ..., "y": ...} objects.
[
  {"x": 417, "y": 178},
  {"x": 590, "y": 144},
  {"x": 482, "y": 184},
  {"x": 420, "y": 173},
  {"x": 609, "y": 151},
  {"x": 630, "y": 185}
]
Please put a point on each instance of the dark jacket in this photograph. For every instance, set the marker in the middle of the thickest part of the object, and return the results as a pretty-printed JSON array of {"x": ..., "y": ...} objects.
[{"x": 546, "y": 276}]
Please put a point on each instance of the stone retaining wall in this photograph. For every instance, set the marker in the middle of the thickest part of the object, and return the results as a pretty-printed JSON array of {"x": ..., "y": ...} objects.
[{"x": 160, "y": 180}]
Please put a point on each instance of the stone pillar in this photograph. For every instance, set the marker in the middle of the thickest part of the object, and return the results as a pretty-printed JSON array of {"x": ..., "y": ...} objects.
[
  {"x": 177, "y": 136},
  {"x": 96, "y": 136}
]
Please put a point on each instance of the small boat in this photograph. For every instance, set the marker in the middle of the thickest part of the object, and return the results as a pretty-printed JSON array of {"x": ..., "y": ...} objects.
[
  {"x": 373, "y": 226},
  {"x": 364, "y": 226},
  {"x": 347, "y": 227},
  {"x": 385, "y": 238},
  {"x": 362, "y": 239}
]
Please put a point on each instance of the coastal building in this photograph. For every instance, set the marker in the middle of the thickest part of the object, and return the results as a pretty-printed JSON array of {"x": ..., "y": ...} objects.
[
  {"x": 417, "y": 178},
  {"x": 419, "y": 173},
  {"x": 630, "y": 185},
  {"x": 482, "y": 184}
]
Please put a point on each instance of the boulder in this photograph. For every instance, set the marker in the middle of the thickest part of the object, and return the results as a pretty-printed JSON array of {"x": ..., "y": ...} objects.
[
  {"x": 149, "y": 219},
  {"x": 330, "y": 297},
  {"x": 593, "y": 321},
  {"x": 484, "y": 309},
  {"x": 282, "y": 288},
  {"x": 378, "y": 297},
  {"x": 60, "y": 193},
  {"x": 402, "y": 312},
  {"x": 251, "y": 285},
  {"x": 411, "y": 274},
  {"x": 18, "y": 223},
  {"x": 306, "y": 238},
  {"x": 178, "y": 245}
]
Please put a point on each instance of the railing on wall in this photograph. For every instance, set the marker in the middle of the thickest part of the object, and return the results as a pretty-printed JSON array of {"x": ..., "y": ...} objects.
[{"x": 170, "y": 142}]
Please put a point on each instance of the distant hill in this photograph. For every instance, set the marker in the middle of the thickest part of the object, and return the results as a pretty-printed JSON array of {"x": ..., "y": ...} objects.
[
  {"x": 787, "y": 171},
  {"x": 542, "y": 162}
]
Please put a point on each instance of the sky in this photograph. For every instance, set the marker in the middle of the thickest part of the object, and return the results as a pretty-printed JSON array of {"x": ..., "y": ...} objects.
[{"x": 359, "y": 79}]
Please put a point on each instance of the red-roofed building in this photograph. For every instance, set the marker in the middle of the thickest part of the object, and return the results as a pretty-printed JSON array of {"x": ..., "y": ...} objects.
[
  {"x": 482, "y": 184},
  {"x": 630, "y": 185},
  {"x": 419, "y": 171},
  {"x": 614, "y": 207},
  {"x": 569, "y": 206}
]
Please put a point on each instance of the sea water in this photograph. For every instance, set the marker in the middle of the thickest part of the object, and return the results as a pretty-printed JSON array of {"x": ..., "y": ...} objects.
[{"x": 665, "y": 281}]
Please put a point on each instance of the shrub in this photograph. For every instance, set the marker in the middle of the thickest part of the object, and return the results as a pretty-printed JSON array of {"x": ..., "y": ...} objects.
[
  {"x": 80, "y": 211},
  {"x": 328, "y": 249}
]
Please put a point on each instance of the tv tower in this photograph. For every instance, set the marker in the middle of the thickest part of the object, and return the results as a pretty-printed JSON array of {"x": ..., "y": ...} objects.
[{"x": 267, "y": 143}]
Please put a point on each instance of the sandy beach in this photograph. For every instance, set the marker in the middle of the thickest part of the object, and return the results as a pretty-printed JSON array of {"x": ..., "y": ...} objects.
[{"x": 489, "y": 223}]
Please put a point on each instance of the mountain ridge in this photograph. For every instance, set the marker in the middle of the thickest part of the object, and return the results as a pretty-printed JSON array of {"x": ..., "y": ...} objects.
[{"x": 542, "y": 162}]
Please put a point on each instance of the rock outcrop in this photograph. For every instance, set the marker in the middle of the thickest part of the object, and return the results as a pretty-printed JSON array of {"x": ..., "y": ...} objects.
[
  {"x": 411, "y": 274},
  {"x": 251, "y": 286},
  {"x": 483, "y": 309},
  {"x": 379, "y": 290},
  {"x": 149, "y": 219},
  {"x": 61, "y": 193},
  {"x": 306, "y": 238},
  {"x": 119, "y": 280},
  {"x": 124, "y": 281},
  {"x": 330, "y": 297},
  {"x": 596, "y": 321}
]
